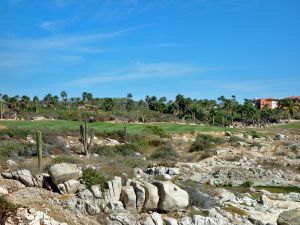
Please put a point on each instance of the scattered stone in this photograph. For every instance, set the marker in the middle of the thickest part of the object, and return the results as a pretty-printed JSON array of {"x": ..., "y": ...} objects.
[
  {"x": 170, "y": 221},
  {"x": 128, "y": 197},
  {"x": 281, "y": 137},
  {"x": 151, "y": 196},
  {"x": 157, "y": 219},
  {"x": 290, "y": 217},
  {"x": 140, "y": 195},
  {"x": 228, "y": 133},
  {"x": 95, "y": 189}
]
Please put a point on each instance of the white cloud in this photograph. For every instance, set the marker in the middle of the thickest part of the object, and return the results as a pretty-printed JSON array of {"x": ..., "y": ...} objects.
[{"x": 139, "y": 71}]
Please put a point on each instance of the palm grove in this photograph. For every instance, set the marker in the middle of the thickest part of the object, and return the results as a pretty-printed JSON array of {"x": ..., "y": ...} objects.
[{"x": 220, "y": 112}]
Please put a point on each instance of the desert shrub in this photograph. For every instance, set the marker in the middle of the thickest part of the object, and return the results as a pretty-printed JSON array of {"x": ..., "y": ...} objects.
[
  {"x": 255, "y": 144},
  {"x": 15, "y": 149},
  {"x": 156, "y": 130},
  {"x": 115, "y": 134},
  {"x": 235, "y": 139},
  {"x": 126, "y": 149},
  {"x": 205, "y": 155},
  {"x": 235, "y": 210},
  {"x": 255, "y": 134},
  {"x": 279, "y": 189},
  {"x": 93, "y": 177},
  {"x": 165, "y": 152},
  {"x": 159, "y": 177},
  {"x": 246, "y": 184},
  {"x": 16, "y": 133},
  {"x": 205, "y": 142},
  {"x": 107, "y": 151},
  {"x": 7, "y": 209},
  {"x": 156, "y": 142},
  {"x": 65, "y": 159}
]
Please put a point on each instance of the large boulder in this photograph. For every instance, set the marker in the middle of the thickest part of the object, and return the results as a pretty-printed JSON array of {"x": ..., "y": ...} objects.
[
  {"x": 114, "y": 189},
  {"x": 122, "y": 219},
  {"x": 291, "y": 217},
  {"x": 69, "y": 187},
  {"x": 151, "y": 196},
  {"x": 170, "y": 221},
  {"x": 63, "y": 172},
  {"x": 146, "y": 219},
  {"x": 171, "y": 197},
  {"x": 140, "y": 195},
  {"x": 24, "y": 176},
  {"x": 157, "y": 219},
  {"x": 128, "y": 197},
  {"x": 200, "y": 220}
]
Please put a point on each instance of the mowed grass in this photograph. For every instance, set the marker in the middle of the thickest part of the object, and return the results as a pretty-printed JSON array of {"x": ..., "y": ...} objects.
[{"x": 106, "y": 126}]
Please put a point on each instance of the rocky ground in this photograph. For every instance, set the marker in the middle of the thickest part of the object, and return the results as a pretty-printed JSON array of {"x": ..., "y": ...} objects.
[{"x": 248, "y": 180}]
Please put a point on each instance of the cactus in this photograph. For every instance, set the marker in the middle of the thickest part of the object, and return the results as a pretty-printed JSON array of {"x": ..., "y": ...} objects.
[
  {"x": 85, "y": 138},
  {"x": 39, "y": 148},
  {"x": 125, "y": 134}
]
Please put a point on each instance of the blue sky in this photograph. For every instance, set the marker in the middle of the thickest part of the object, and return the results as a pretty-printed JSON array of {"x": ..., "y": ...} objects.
[{"x": 200, "y": 48}]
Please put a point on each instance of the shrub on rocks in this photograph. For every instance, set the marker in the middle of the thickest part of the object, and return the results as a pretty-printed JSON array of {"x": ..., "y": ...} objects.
[
  {"x": 205, "y": 143},
  {"x": 7, "y": 209},
  {"x": 92, "y": 177},
  {"x": 165, "y": 152}
]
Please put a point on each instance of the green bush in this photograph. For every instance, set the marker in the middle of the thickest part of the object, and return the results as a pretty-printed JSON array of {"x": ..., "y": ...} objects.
[
  {"x": 156, "y": 130},
  {"x": 235, "y": 139},
  {"x": 7, "y": 209},
  {"x": 247, "y": 184},
  {"x": 165, "y": 152},
  {"x": 16, "y": 149},
  {"x": 93, "y": 177},
  {"x": 126, "y": 149},
  {"x": 104, "y": 150},
  {"x": 16, "y": 133},
  {"x": 205, "y": 143}
]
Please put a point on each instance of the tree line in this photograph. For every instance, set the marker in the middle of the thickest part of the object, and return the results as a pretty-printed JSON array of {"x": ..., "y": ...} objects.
[{"x": 221, "y": 112}]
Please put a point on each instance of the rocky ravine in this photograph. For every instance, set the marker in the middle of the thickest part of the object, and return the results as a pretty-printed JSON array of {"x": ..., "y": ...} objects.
[{"x": 60, "y": 197}]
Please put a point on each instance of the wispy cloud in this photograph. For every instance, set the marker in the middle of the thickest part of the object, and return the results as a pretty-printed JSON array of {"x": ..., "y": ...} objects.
[
  {"x": 60, "y": 42},
  {"x": 35, "y": 55},
  {"x": 139, "y": 71},
  {"x": 53, "y": 25}
]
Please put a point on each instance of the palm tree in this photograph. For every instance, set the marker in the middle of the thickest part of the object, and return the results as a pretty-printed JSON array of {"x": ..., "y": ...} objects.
[
  {"x": 25, "y": 100},
  {"x": 240, "y": 109},
  {"x": 47, "y": 100},
  {"x": 87, "y": 97},
  {"x": 53, "y": 102},
  {"x": 36, "y": 103},
  {"x": 289, "y": 107},
  {"x": 229, "y": 108},
  {"x": 212, "y": 114},
  {"x": 250, "y": 111},
  {"x": 13, "y": 102},
  {"x": 64, "y": 97},
  {"x": 266, "y": 114}
]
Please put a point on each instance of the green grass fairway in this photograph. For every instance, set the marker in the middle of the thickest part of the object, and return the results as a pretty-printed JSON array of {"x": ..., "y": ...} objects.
[{"x": 101, "y": 126}]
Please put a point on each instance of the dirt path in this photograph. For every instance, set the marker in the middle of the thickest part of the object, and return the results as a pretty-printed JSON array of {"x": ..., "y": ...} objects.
[{"x": 2, "y": 127}]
